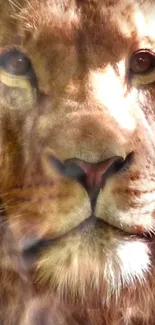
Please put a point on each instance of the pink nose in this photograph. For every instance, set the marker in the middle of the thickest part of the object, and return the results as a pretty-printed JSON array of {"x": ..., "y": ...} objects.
[{"x": 95, "y": 172}]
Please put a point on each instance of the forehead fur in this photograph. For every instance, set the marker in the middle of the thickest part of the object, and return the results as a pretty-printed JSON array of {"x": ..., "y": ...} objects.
[{"x": 101, "y": 20}]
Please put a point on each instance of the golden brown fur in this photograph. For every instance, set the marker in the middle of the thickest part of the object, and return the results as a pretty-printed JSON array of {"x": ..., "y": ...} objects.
[{"x": 82, "y": 104}]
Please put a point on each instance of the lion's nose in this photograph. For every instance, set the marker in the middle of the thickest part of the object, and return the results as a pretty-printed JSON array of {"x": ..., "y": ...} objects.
[
  {"x": 94, "y": 174},
  {"x": 90, "y": 175}
]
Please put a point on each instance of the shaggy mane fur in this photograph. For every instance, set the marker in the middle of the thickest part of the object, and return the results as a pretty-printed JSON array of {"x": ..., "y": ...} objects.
[{"x": 77, "y": 157}]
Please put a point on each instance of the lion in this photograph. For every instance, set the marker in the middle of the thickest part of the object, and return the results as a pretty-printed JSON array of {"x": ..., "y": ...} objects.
[{"x": 77, "y": 162}]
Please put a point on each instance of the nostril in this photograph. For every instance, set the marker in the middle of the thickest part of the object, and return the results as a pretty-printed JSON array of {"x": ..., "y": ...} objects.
[{"x": 68, "y": 168}]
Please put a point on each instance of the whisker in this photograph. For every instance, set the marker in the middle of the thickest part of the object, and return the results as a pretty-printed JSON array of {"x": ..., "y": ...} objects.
[{"x": 15, "y": 4}]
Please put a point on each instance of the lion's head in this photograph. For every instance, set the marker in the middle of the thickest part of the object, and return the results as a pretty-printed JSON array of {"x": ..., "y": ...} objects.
[{"x": 77, "y": 154}]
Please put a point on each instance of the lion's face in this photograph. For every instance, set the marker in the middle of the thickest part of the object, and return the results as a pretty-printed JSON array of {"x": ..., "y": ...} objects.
[{"x": 77, "y": 100}]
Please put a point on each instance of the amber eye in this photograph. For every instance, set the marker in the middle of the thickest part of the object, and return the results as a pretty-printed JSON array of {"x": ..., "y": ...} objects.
[
  {"x": 142, "y": 61},
  {"x": 15, "y": 63}
]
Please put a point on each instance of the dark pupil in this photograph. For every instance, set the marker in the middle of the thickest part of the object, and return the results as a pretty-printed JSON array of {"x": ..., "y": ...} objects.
[
  {"x": 16, "y": 63},
  {"x": 141, "y": 62}
]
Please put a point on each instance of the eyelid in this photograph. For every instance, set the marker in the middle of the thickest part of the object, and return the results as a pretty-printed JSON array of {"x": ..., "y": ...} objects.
[
  {"x": 143, "y": 42},
  {"x": 13, "y": 80},
  {"x": 144, "y": 50},
  {"x": 141, "y": 80}
]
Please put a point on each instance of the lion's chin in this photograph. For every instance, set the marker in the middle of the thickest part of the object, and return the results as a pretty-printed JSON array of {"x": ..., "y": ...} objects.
[{"x": 93, "y": 266}]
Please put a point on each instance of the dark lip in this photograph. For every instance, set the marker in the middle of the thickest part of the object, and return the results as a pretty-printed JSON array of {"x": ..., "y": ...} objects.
[{"x": 33, "y": 247}]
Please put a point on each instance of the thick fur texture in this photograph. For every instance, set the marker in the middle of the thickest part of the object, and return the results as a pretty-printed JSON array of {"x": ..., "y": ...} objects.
[{"x": 79, "y": 103}]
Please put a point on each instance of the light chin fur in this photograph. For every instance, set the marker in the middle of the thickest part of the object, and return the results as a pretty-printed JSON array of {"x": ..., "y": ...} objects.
[
  {"x": 92, "y": 270},
  {"x": 105, "y": 282}
]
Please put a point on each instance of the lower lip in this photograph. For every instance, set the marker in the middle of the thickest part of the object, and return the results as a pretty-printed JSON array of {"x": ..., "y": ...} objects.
[{"x": 32, "y": 247}]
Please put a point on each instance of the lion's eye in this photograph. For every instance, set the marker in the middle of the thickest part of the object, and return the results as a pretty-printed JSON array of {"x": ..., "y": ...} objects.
[
  {"x": 15, "y": 62},
  {"x": 142, "y": 61}
]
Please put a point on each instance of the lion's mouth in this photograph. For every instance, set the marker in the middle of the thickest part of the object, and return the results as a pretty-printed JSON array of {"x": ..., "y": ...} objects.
[
  {"x": 33, "y": 247},
  {"x": 72, "y": 168}
]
